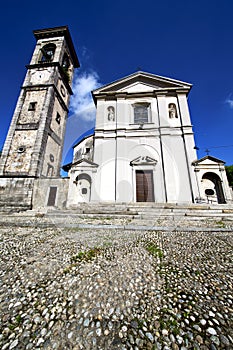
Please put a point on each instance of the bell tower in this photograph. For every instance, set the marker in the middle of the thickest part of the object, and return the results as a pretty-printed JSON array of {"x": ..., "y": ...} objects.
[
  {"x": 33, "y": 148},
  {"x": 34, "y": 143}
]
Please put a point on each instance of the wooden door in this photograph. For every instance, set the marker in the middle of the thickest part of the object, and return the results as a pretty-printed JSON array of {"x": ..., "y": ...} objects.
[
  {"x": 144, "y": 186},
  {"x": 52, "y": 196}
]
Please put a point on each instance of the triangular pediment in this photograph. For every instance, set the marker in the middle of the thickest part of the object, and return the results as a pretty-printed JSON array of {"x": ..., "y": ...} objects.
[
  {"x": 138, "y": 87},
  {"x": 143, "y": 160},
  {"x": 142, "y": 82},
  {"x": 84, "y": 162},
  {"x": 208, "y": 160},
  {"x": 80, "y": 163}
]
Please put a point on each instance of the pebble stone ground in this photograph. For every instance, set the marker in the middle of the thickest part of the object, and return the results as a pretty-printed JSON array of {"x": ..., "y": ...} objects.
[{"x": 70, "y": 288}]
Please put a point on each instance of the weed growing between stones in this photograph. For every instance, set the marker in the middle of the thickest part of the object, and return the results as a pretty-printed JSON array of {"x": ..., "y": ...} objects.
[
  {"x": 153, "y": 249},
  {"x": 87, "y": 255},
  {"x": 221, "y": 224}
]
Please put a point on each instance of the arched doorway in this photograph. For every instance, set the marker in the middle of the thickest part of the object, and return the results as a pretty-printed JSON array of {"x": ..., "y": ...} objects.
[
  {"x": 213, "y": 182},
  {"x": 83, "y": 182}
]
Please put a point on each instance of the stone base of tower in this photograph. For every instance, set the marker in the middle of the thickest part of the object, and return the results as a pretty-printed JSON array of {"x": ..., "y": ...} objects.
[
  {"x": 19, "y": 194},
  {"x": 50, "y": 193},
  {"x": 16, "y": 193}
]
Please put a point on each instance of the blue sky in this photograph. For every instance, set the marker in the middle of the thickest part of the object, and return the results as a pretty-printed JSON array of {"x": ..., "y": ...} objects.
[{"x": 184, "y": 40}]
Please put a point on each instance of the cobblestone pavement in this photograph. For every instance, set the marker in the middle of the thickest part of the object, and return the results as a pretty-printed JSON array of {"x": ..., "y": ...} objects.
[{"x": 115, "y": 289}]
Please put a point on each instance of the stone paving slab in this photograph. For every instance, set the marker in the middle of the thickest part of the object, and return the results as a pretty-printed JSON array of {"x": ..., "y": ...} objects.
[{"x": 72, "y": 288}]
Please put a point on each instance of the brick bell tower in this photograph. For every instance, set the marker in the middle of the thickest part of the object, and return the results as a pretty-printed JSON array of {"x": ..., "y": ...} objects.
[{"x": 33, "y": 147}]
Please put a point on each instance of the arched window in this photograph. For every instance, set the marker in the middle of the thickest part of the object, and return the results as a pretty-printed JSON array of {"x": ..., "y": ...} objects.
[
  {"x": 48, "y": 53},
  {"x": 65, "y": 62},
  {"x": 83, "y": 176},
  {"x": 65, "y": 66}
]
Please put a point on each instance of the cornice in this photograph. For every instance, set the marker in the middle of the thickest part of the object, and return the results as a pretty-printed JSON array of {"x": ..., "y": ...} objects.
[{"x": 114, "y": 95}]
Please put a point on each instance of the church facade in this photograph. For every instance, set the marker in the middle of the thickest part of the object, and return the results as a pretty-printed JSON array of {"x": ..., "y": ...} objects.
[{"x": 142, "y": 149}]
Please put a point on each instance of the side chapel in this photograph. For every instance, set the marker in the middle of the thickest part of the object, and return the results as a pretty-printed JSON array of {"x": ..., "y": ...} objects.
[{"x": 142, "y": 149}]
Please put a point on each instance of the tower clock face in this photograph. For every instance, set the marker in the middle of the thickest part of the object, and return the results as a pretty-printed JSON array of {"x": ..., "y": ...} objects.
[{"x": 39, "y": 77}]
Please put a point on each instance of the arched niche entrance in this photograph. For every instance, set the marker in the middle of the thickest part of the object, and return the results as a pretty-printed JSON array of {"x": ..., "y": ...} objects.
[
  {"x": 213, "y": 182},
  {"x": 83, "y": 182}
]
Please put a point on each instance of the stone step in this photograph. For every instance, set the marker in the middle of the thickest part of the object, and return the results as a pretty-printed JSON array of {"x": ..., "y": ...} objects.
[
  {"x": 14, "y": 207},
  {"x": 178, "y": 211},
  {"x": 151, "y": 213},
  {"x": 147, "y": 207},
  {"x": 138, "y": 213},
  {"x": 184, "y": 213},
  {"x": 138, "y": 205},
  {"x": 91, "y": 216},
  {"x": 209, "y": 214}
]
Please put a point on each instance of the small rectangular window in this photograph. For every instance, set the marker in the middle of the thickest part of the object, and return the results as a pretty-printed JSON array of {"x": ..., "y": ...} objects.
[
  {"x": 58, "y": 118},
  {"x": 141, "y": 113},
  {"x": 50, "y": 170},
  {"x": 32, "y": 106}
]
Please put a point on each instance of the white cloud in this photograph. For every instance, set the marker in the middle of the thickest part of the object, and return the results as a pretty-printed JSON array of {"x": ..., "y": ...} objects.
[
  {"x": 82, "y": 110},
  {"x": 229, "y": 101},
  {"x": 85, "y": 53},
  {"x": 81, "y": 103}
]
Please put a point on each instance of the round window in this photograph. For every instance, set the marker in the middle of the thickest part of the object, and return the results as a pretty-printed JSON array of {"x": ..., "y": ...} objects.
[
  {"x": 84, "y": 190},
  {"x": 51, "y": 157},
  {"x": 21, "y": 149}
]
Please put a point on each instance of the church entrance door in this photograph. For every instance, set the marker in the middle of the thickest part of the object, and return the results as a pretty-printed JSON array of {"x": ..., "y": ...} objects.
[{"x": 144, "y": 186}]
